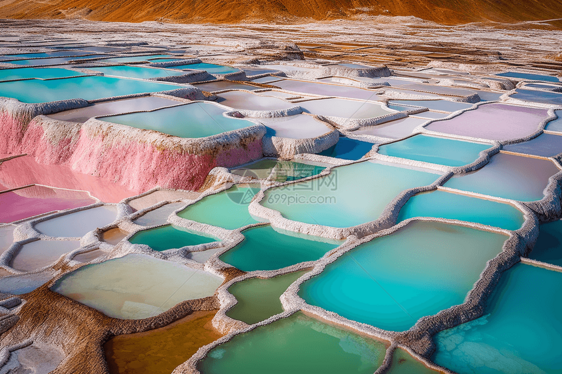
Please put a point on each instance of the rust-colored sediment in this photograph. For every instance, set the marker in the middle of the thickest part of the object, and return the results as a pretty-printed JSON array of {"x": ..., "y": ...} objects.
[
  {"x": 160, "y": 351},
  {"x": 220, "y": 11}
]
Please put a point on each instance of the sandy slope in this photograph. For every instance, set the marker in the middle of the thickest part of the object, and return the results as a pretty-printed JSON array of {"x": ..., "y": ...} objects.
[{"x": 441, "y": 11}]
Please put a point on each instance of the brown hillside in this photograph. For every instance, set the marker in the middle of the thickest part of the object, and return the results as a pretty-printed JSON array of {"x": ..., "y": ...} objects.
[{"x": 232, "y": 11}]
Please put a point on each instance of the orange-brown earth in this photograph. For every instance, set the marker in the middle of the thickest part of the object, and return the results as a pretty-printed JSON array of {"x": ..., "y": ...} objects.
[{"x": 233, "y": 11}]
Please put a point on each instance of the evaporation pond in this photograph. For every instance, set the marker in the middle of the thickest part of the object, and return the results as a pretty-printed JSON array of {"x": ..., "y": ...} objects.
[
  {"x": 529, "y": 76},
  {"x": 348, "y": 149},
  {"x": 115, "y": 288},
  {"x": 548, "y": 247},
  {"x": 280, "y": 171},
  {"x": 248, "y": 101},
  {"x": 196, "y": 120},
  {"x": 326, "y": 89},
  {"x": 556, "y": 124},
  {"x": 258, "y": 299},
  {"x": 225, "y": 85},
  {"x": 136, "y": 72},
  {"x": 209, "y": 68},
  {"x": 38, "y": 254},
  {"x": 442, "y": 204},
  {"x": 493, "y": 121},
  {"x": 266, "y": 249},
  {"x": 508, "y": 176},
  {"x": 79, "y": 223},
  {"x": 295, "y": 127},
  {"x": 31, "y": 201},
  {"x": 113, "y": 107},
  {"x": 125, "y": 60},
  {"x": 337, "y": 199},
  {"x": 159, "y": 215},
  {"x": 393, "y": 281},
  {"x": 26, "y": 73},
  {"x": 543, "y": 97},
  {"x": 544, "y": 145},
  {"x": 520, "y": 332},
  {"x": 399, "y": 128},
  {"x": 349, "y": 109},
  {"x": 442, "y": 105},
  {"x": 168, "y": 237},
  {"x": 87, "y": 88},
  {"x": 296, "y": 344},
  {"x": 227, "y": 209},
  {"x": 442, "y": 151}
]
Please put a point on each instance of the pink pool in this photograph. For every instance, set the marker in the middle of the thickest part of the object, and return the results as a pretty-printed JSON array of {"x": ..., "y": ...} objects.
[
  {"x": 22, "y": 171},
  {"x": 493, "y": 121},
  {"x": 32, "y": 201}
]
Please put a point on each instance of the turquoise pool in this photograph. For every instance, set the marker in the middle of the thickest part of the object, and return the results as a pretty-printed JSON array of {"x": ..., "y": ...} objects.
[
  {"x": 393, "y": 281},
  {"x": 169, "y": 237},
  {"x": 87, "y": 88},
  {"x": 227, "y": 209},
  {"x": 548, "y": 247},
  {"x": 264, "y": 248},
  {"x": 209, "y": 68},
  {"x": 136, "y": 72},
  {"x": 441, "y": 204},
  {"x": 44, "y": 73},
  {"x": 520, "y": 333}
]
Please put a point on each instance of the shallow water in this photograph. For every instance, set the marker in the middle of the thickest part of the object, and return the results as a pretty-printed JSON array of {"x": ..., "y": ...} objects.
[
  {"x": 493, "y": 121},
  {"x": 35, "y": 200},
  {"x": 89, "y": 256},
  {"x": 535, "y": 77},
  {"x": 349, "y": 109},
  {"x": 38, "y": 254},
  {"x": 555, "y": 124},
  {"x": 51, "y": 61},
  {"x": 87, "y": 88},
  {"x": 432, "y": 115},
  {"x": 442, "y": 151},
  {"x": 548, "y": 247},
  {"x": 114, "y": 236},
  {"x": 447, "y": 205},
  {"x": 25, "y": 73},
  {"x": 543, "y": 97},
  {"x": 209, "y": 68},
  {"x": 295, "y": 127},
  {"x": 258, "y": 299},
  {"x": 135, "y": 72},
  {"x": 160, "y": 351},
  {"x": 43, "y": 55},
  {"x": 225, "y": 85},
  {"x": 169, "y": 237},
  {"x": 107, "y": 108},
  {"x": 248, "y": 101},
  {"x": 337, "y": 200},
  {"x": 296, "y": 344},
  {"x": 125, "y": 60},
  {"x": 6, "y": 237},
  {"x": 404, "y": 363},
  {"x": 545, "y": 145},
  {"x": 158, "y": 216},
  {"x": 267, "y": 249},
  {"x": 77, "y": 224},
  {"x": 212, "y": 209},
  {"x": 156, "y": 197},
  {"x": 508, "y": 176},
  {"x": 399, "y": 128},
  {"x": 115, "y": 288},
  {"x": 280, "y": 171},
  {"x": 521, "y": 331},
  {"x": 348, "y": 149},
  {"x": 196, "y": 120},
  {"x": 392, "y": 281},
  {"x": 327, "y": 89}
]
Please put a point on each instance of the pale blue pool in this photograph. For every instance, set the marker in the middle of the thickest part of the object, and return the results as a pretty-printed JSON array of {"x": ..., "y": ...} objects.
[
  {"x": 209, "y": 68},
  {"x": 442, "y": 151},
  {"x": 135, "y": 72},
  {"x": 196, "y": 120},
  {"x": 535, "y": 77},
  {"x": 44, "y": 73}
]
